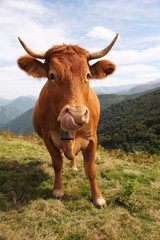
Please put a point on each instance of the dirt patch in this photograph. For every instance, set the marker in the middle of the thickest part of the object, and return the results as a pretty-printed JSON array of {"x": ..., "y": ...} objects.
[
  {"x": 155, "y": 184},
  {"x": 132, "y": 171}
]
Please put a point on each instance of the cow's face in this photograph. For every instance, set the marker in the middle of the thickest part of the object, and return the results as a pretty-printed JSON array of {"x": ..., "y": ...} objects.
[
  {"x": 68, "y": 73},
  {"x": 68, "y": 87}
]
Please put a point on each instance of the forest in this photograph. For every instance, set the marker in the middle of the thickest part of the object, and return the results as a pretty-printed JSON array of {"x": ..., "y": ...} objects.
[{"x": 132, "y": 125}]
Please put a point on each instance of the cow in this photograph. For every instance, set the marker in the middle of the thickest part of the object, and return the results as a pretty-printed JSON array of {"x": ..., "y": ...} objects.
[{"x": 67, "y": 111}]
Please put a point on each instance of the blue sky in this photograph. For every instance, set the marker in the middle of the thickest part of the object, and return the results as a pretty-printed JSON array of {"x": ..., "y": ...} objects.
[{"x": 90, "y": 24}]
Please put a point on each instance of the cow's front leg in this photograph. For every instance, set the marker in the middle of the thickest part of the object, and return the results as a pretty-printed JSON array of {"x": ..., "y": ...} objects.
[
  {"x": 57, "y": 162},
  {"x": 58, "y": 186},
  {"x": 89, "y": 165},
  {"x": 73, "y": 164}
]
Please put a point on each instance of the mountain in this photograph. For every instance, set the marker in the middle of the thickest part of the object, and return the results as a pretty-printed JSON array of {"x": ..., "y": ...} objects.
[
  {"x": 144, "y": 87},
  {"x": 4, "y": 101},
  {"x": 128, "y": 89},
  {"x": 15, "y": 108},
  {"x": 113, "y": 90},
  {"x": 21, "y": 124},
  {"x": 106, "y": 100},
  {"x": 132, "y": 124},
  {"x": 32, "y": 97}
]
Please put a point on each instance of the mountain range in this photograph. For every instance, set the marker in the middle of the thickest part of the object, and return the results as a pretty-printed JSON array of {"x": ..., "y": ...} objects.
[
  {"x": 128, "y": 89},
  {"x": 15, "y": 108},
  {"x": 21, "y": 124}
]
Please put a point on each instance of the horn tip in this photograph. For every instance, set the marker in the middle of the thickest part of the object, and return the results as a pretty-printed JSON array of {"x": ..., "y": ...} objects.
[{"x": 20, "y": 40}]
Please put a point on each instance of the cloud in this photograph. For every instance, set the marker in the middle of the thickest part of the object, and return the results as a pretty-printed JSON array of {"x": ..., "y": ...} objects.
[
  {"x": 100, "y": 32},
  {"x": 130, "y": 56},
  {"x": 15, "y": 83},
  {"x": 34, "y": 22},
  {"x": 136, "y": 69},
  {"x": 130, "y": 74}
]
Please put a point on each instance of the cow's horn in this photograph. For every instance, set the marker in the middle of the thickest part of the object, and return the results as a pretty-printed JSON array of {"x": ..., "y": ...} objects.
[
  {"x": 103, "y": 52},
  {"x": 33, "y": 53}
]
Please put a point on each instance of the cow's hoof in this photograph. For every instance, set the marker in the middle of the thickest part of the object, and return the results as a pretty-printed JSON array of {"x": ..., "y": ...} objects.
[
  {"x": 73, "y": 165},
  {"x": 74, "y": 168},
  {"x": 100, "y": 203},
  {"x": 58, "y": 194}
]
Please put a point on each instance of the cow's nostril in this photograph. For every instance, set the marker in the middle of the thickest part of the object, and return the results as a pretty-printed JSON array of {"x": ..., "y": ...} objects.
[{"x": 86, "y": 112}]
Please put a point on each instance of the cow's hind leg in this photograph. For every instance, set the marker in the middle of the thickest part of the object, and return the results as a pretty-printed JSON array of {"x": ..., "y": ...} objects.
[
  {"x": 73, "y": 164},
  {"x": 57, "y": 162},
  {"x": 89, "y": 165}
]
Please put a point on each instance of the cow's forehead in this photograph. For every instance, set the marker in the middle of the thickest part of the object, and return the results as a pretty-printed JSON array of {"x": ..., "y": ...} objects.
[
  {"x": 64, "y": 50},
  {"x": 73, "y": 62}
]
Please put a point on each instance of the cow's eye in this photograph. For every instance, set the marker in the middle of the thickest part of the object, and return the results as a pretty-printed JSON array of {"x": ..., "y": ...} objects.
[
  {"x": 52, "y": 76},
  {"x": 87, "y": 78}
]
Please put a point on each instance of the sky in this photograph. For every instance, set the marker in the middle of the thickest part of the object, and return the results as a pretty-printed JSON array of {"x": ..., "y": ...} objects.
[{"x": 91, "y": 24}]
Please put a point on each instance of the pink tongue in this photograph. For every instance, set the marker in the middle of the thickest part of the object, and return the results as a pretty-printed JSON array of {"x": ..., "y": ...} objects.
[{"x": 67, "y": 122}]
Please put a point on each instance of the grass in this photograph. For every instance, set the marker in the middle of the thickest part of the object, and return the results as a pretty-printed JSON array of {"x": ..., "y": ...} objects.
[{"x": 129, "y": 182}]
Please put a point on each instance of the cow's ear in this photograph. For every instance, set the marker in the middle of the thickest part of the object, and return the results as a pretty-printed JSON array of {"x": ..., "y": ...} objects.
[
  {"x": 102, "y": 69},
  {"x": 32, "y": 66}
]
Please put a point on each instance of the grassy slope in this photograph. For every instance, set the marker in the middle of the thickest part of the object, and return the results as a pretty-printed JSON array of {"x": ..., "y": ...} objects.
[{"x": 130, "y": 184}]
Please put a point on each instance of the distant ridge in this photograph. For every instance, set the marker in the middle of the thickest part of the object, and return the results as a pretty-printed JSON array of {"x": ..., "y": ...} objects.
[
  {"x": 15, "y": 108},
  {"x": 128, "y": 89},
  {"x": 144, "y": 87},
  {"x": 21, "y": 124}
]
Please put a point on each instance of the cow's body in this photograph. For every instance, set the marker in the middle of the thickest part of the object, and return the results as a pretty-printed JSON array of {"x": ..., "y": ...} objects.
[
  {"x": 67, "y": 103},
  {"x": 49, "y": 123}
]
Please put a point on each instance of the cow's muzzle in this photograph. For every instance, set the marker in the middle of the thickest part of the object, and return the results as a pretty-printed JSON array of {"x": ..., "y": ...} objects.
[{"x": 73, "y": 118}]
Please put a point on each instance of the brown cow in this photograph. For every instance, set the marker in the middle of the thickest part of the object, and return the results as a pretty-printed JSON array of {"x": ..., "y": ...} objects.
[{"x": 67, "y": 107}]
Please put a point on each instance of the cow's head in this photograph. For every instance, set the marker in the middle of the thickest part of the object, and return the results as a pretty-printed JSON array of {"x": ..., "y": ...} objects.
[{"x": 68, "y": 71}]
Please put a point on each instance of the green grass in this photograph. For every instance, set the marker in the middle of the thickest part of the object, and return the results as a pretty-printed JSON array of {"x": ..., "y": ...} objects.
[{"x": 130, "y": 184}]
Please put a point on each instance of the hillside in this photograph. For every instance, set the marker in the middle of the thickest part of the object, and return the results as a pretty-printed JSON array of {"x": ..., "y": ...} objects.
[
  {"x": 21, "y": 124},
  {"x": 144, "y": 87},
  {"x": 129, "y": 183},
  {"x": 133, "y": 124},
  {"x": 15, "y": 108},
  {"x": 106, "y": 100}
]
